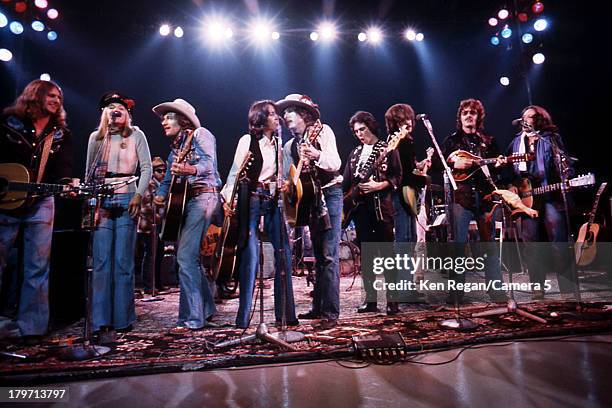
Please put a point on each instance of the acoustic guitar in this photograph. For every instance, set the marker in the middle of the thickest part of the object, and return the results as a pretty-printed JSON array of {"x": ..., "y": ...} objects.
[
  {"x": 17, "y": 189},
  {"x": 413, "y": 196},
  {"x": 177, "y": 198},
  {"x": 586, "y": 247},
  {"x": 302, "y": 190}
]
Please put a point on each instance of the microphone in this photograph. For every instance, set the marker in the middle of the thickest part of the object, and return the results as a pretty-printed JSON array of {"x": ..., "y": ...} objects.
[
  {"x": 518, "y": 121},
  {"x": 421, "y": 116}
]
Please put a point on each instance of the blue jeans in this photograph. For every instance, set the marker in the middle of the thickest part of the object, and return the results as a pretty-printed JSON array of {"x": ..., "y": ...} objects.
[
  {"x": 33, "y": 311},
  {"x": 114, "y": 243},
  {"x": 196, "y": 302},
  {"x": 405, "y": 231},
  {"x": 326, "y": 299},
  {"x": 249, "y": 258}
]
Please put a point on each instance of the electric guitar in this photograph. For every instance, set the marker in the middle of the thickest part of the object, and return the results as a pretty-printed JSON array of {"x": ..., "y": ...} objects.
[
  {"x": 177, "y": 198},
  {"x": 224, "y": 260},
  {"x": 587, "y": 236},
  {"x": 353, "y": 197},
  {"x": 411, "y": 195},
  {"x": 477, "y": 161},
  {"x": 526, "y": 192},
  {"x": 302, "y": 189}
]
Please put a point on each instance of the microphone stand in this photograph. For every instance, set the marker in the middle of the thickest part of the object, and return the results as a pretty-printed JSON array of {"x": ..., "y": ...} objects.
[{"x": 153, "y": 257}]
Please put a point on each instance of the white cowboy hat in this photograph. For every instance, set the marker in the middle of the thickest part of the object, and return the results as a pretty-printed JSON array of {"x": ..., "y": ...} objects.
[
  {"x": 180, "y": 106},
  {"x": 303, "y": 101}
]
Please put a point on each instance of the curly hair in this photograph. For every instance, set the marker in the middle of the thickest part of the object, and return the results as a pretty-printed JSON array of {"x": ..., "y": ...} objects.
[
  {"x": 31, "y": 102},
  {"x": 258, "y": 116},
  {"x": 398, "y": 114},
  {"x": 308, "y": 116},
  {"x": 477, "y": 106},
  {"x": 542, "y": 121},
  {"x": 367, "y": 119}
]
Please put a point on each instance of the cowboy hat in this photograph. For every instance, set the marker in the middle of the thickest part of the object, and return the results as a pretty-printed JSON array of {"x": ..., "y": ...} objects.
[
  {"x": 299, "y": 100},
  {"x": 179, "y": 106}
]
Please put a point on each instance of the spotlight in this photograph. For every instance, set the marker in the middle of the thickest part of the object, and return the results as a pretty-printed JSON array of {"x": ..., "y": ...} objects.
[
  {"x": 52, "y": 14},
  {"x": 178, "y": 32},
  {"x": 228, "y": 33},
  {"x": 16, "y": 27},
  {"x": 20, "y": 6},
  {"x": 275, "y": 35},
  {"x": 3, "y": 20},
  {"x": 217, "y": 30},
  {"x": 506, "y": 32},
  {"x": 362, "y": 36},
  {"x": 503, "y": 14},
  {"x": 41, "y": 4},
  {"x": 410, "y": 35},
  {"x": 37, "y": 26},
  {"x": 261, "y": 31},
  {"x": 164, "y": 29},
  {"x": 327, "y": 31},
  {"x": 505, "y": 81},
  {"x": 527, "y": 38},
  {"x": 314, "y": 36},
  {"x": 493, "y": 21},
  {"x": 5, "y": 55},
  {"x": 495, "y": 40},
  {"x": 375, "y": 35},
  {"x": 52, "y": 36},
  {"x": 540, "y": 24},
  {"x": 420, "y": 37},
  {"x": 538, "y": 7},
  {"x": 538, "y": 58},
  {"x": 523, "y": 17},
  {"x": 45, "y": 77}
]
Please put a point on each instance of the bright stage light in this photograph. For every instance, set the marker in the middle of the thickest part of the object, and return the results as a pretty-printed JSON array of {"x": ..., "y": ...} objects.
[
  {"x": 164, "y": 29},
  {"x": 538, "y": 58},
  {"x": 275, "y": 35},
  {"x": 327, "y": 31},
  {"x": 503, "y": 14},
  {"x": 314, "y": 36},
  {"x": 375, "y": 35},
  {"x": 52, "y": 14},
  {"x": 21, "y": 6},
  {"x": 410, "y": 35},
  {"x": 493, "y": 21},
  {"x": 505, "y": 81},
  {"x": 41, "y": 3},
  {"x": 506, "y": 32},
  {"x": 523, "y": 17},
  {"x": 495, "y": 40},
  {"x": 3, "y": 20},
  {"x": 5, "y": 55},
  {"x": 37, "y": 26},
  {"x": 217, "y": 30},
  {"x": 262, "y": 31},
  {"x": 362, "y": 36},
  {"x": 16, "y": 27},
  {"x": 52, "y": 36},
  {"x": 178, "y": 32},
  {"x": 540, "y": 24},
  {"x": 45, "y": 77},
  {"x": 538, "y": 7},
  {"x": 420, "y": 37},
  {"x": 527, "y": 38}
]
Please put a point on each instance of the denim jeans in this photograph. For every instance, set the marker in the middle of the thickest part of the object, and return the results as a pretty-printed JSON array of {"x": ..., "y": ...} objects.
[
  {"x": 249, "y": 259},
  {"x": 114, "y": 242},
  {"x": 326, "y": 299},
  {"x": 405, "y": 231},
  {"x": 33, "y": 310},
  {"x": 196, "y": 302}
]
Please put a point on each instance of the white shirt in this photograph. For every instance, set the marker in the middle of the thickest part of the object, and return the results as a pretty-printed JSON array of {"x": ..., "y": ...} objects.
[
  {"x": 522, "y": 166},
  {"x": 268, "y": 169},
  {"x": 363, "y": 157},
  {"x": 329, "y": 160}
]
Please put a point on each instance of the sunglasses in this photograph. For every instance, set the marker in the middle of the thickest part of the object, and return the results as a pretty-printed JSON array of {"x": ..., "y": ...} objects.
[{"x": 160, "y": 170}]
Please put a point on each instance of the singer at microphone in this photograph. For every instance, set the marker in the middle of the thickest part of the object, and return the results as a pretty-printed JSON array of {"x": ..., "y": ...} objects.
[
  {"x": 518, "y": 121},
  {"x": 422, "y": 116}
]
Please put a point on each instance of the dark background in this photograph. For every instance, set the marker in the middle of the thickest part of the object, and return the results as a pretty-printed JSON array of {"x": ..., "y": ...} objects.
[{"x": 115, "y": 45}]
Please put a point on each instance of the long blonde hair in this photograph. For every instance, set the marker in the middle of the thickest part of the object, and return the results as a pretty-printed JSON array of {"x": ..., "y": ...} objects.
[{"x": 103, "y": 126}]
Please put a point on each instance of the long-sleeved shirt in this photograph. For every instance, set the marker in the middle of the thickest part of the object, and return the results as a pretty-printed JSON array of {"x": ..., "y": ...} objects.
[
  {"x": 268, "y": 169},
  {"x": 202, "y": 155},
  {"x": 125, "y": 156},
  {"x": 329, "y": 160}
]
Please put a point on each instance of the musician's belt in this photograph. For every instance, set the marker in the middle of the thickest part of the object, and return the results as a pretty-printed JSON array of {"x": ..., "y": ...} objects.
[
  {"x": 110, "y": 174},
  {"x": 265, "y": 184},
  {"x": 196, "y": 191}
]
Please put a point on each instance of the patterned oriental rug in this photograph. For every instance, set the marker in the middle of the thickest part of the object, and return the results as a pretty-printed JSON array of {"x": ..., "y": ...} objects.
[{"x": 153, "y": 347}]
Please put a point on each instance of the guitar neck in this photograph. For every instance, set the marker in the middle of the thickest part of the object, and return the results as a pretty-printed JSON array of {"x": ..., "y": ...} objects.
[
  {"x": 40, "y": 188},
  {"x": 596, "y": 203}
]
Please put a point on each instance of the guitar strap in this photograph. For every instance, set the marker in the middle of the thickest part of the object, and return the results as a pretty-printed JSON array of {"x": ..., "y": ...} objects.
[{"x": 44, "y": 156}]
